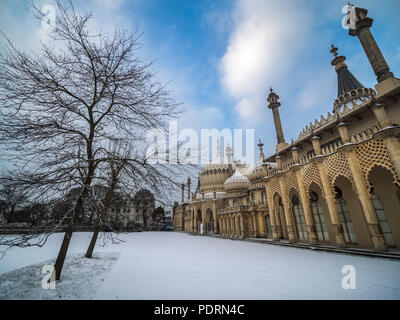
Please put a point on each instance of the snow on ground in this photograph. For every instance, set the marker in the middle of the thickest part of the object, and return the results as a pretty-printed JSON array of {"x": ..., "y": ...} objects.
[
  {"x": 171, "y": 265},
  {"x": 80, "y": 279}
]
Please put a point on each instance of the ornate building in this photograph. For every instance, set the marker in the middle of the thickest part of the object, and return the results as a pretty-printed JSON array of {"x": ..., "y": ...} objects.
[{"x": 338, "y": 183}]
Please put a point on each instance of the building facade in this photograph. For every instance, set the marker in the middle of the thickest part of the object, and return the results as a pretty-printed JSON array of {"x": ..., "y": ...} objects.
[
  {"x": 338, "y": 183},
  {"x": 129, "y": 212}
]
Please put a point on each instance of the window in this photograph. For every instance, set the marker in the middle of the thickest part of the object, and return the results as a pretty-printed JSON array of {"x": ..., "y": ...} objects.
[
  {"x": 387, "y": 234},
  {"x": 235, "y": 203},
  {"x": 345, "y": 221},
  {"x": 299, "y": 219},
  {"x": 319, "y": 218},
  {"x": 264, "y": 197}
]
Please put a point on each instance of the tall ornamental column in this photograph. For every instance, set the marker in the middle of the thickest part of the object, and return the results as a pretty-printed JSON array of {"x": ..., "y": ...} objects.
[
  {"x": 360, "y": 27},
  {"x": 270, "y": 201},
  {"x": 288, "y": 214},
  {"x": 274, "y": 105}
]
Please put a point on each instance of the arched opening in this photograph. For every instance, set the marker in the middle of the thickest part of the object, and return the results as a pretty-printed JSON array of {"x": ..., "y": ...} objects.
[
  {"x": 281, "y": 219},
  {"x": 239, "y": 226},
  {"x": 209, "y": 222},
  {"x": 386, "y": 203},
  {"x": 268, "y": 226},
  {"x": 356, "y": 213},
  {"x": 230, "y": 226},
  {"x": 234, "y": 225},
  {"x": 320, "y": 219},
  {"x": 299, "y": 219},
  {"x": 199, "y": 221},
  {"x": 345, "y": 217}
]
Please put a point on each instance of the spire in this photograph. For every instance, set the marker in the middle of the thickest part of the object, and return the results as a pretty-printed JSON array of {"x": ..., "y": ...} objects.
[
  {"x": 349, "y": 88},
  {"x": 346, "y": 80}
]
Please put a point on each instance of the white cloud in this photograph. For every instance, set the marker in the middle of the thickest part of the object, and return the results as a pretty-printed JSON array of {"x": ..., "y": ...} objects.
[
  {"x": 318, "y": 90},
  {"x": 201, "y": 118},
  {"x": 264, "y": 42}
]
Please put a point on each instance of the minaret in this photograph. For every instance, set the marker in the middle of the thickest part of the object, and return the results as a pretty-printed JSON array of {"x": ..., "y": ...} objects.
[
  {"x": 274, "y": 104},
  {"x": 188, "y": 185},
  {"x": 360, "y": 26},
  {"x": 228, "y": 152},
  {"x": 260, "y": 146},
  {"x": 348, "y": 84},
  {"x": 183, "y": 192}
]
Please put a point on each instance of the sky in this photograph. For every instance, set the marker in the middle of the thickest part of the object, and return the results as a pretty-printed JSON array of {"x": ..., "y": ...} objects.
[{"x": 221, "y": 57}]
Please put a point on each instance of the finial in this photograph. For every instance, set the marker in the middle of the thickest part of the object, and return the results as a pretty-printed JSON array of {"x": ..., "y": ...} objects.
[
  {"x": 334, "y": 50},
  {"x": 270, "y": 89},
  {"x": 260, "y": 144}
]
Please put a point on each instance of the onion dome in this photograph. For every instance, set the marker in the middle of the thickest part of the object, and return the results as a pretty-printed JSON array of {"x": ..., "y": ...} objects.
[
  {"x": 213, "y": 175},
  {"x": 237, "y": 183},
  {"x": 350, "y": 90}
]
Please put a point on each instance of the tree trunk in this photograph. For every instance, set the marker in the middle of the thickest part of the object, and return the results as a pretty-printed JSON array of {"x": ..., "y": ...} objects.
[
  {"x": 68, "y": 234},
  {"x": 67, "y": 238},
  {"x": 90, "y": 249}
]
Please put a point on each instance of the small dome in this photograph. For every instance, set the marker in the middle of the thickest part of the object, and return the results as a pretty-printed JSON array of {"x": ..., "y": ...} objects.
[
  {"x": 257, "y": 172},
  {"x": 238, "y": 182}
]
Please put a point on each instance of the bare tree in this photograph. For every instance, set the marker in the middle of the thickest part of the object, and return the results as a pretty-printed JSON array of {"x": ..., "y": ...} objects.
[
  {"x": 129, "y": 171},
  {"x": 62, "y": 106}
]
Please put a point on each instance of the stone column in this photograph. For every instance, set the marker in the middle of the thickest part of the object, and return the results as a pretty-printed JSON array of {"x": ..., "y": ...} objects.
[
  {"x": 288, "y": 214},
  {"x": 203, "y": 220},
  {"x": 330, "y": 201},
  {"x": 253, "y": 220},
  {"x": 270, "y": 201},
  {"x": 262, "y": 230},
  {"x": 237, "y": 234},
  {"x": 195, "y": 223},
  {"x": 305, "y": 202},
  {"x": 369, "y": 212},
  {"x": 241, "y": 225}
]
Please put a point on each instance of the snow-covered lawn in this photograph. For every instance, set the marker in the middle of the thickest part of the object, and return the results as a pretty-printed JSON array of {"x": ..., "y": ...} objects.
[{"x": 170, "y": 265}]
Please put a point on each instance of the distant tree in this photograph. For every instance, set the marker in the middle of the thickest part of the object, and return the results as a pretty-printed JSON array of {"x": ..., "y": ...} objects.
[
  {"x": 12, "y": 198},
  {"x": 158, "y": 216}
]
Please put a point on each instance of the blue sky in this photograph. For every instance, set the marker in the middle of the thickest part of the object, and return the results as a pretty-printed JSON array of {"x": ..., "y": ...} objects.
[{"x": 222, "y": 56}]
